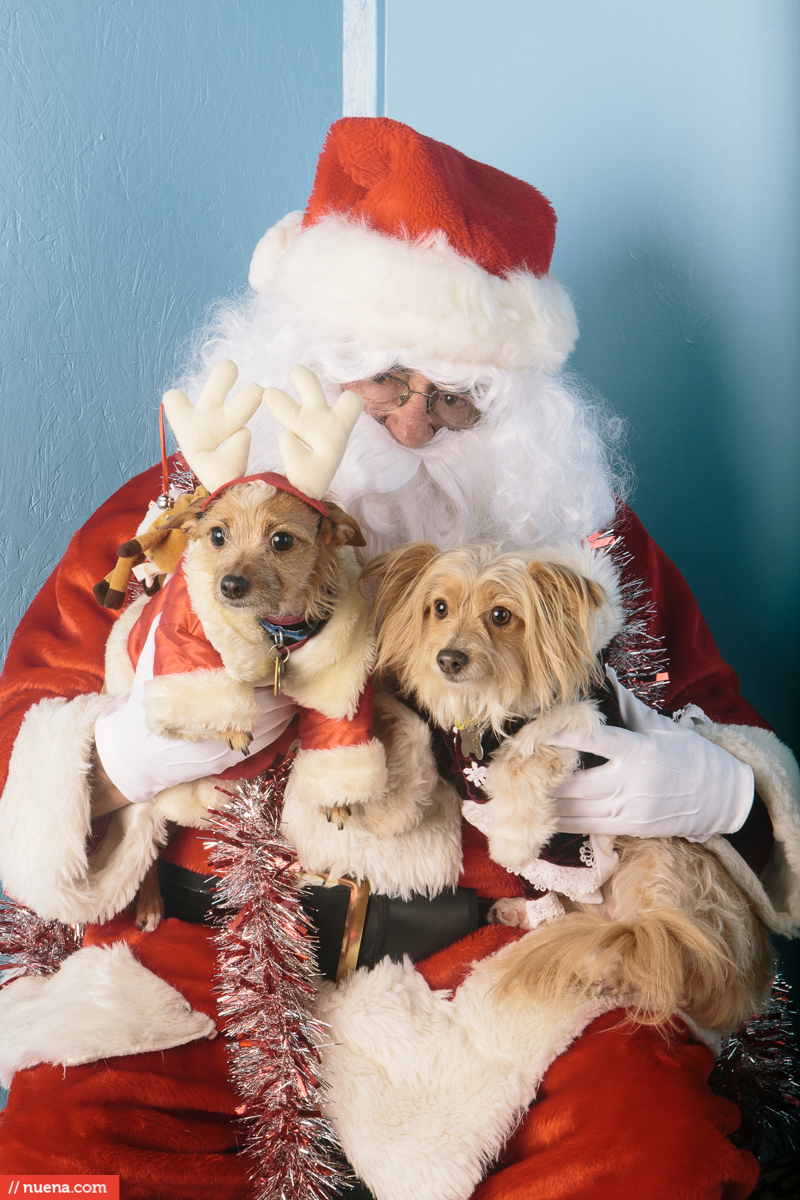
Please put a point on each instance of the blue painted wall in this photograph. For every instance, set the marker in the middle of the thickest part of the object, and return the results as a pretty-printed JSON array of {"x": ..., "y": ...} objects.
[
  {"x": 666, "y": 136},
  {"x": 145, "y": 149}
]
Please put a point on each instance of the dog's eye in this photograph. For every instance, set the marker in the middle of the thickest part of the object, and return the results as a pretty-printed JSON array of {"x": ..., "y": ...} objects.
[
  {"x": 440, "y": 608},
  {"x": 217, "y": 536},
  {"x": 281, "y": 541},
  {"x": 499, "y": 616}
]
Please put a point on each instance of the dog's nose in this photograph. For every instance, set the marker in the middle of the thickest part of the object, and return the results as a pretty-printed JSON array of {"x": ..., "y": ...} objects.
[
  {"x": 233, "y": 587},
  {"x": 451, "y": 662}
]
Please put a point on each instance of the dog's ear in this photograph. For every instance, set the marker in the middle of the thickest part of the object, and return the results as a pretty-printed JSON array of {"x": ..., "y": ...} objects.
[
  {"x": 559, "y": 583},
  {"x": 398, "y": 619},
  {"x": 562, "y": 629},
  {"x": 339, "y": 528},
  {"x": 397, "y": 571}
]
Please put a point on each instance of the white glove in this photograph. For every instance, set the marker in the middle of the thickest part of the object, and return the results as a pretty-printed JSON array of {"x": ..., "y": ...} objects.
[
  {"x": 141, "y": 764},
  {"x": 662, "y": 779}
]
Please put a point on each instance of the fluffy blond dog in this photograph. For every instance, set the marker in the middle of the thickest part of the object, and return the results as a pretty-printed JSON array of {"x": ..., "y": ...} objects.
[{"x": 483, "y": 641}]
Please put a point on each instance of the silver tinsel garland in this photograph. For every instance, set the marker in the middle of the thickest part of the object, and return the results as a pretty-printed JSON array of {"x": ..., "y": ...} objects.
[
  {"x": 29, "y": 945},
  {"x": 639, "y": 659},
  {"x": 265, "y": 987},
  {"x": 758, "y": 1071}
]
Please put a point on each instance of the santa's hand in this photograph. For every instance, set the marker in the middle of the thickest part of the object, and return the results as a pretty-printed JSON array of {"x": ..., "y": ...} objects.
[
  {"x": 141, "y": 763},
  {"x": 664, "y": 780}
]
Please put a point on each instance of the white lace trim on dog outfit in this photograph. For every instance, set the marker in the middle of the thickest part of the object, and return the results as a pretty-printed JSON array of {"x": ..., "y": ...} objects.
[
  {"x": 579, "y": 883},
  {"x": 544, "y": 910}
]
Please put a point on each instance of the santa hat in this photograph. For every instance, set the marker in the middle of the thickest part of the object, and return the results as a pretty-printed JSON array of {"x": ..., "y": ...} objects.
[{"x": 408, "y": 245}]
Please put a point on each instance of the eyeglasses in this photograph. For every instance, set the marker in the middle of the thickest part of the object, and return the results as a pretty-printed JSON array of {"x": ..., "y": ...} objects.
[{"x": 384, "y": 393}]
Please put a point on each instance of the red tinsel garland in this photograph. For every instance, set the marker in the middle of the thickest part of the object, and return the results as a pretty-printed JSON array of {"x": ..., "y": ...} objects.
[{"x": 265, "y": 984}]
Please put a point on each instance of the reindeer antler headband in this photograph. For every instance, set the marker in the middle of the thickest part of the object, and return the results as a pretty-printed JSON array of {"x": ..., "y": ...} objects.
[{"x": 215, "y": 444}]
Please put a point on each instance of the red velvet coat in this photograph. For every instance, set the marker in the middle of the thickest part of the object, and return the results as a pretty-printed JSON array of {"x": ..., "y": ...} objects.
[{"x": 621, "y": 1114}]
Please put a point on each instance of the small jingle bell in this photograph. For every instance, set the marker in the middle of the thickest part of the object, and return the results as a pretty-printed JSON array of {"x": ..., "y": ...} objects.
[{"x": 165, "y": 502}]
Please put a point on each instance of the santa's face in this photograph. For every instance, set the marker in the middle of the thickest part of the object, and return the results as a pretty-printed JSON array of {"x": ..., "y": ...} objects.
[{"x": 402, "y": 401}]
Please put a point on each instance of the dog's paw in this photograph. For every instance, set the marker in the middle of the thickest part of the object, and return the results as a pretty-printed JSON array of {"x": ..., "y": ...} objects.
[
  {"x": 337, "y": 814},
  {"x": 148, "y": 922},
  {"x": 510, "y": 910},
  {"x": 238, "y": 739},
  {"x": 149, "y": 913}
]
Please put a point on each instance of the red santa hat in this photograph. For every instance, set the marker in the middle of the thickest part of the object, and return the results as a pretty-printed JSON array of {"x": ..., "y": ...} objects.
[{"x": 408, "y": 245}]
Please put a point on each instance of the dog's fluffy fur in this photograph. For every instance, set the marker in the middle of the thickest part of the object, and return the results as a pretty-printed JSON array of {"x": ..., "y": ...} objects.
[{"x": 674, "y": 932}]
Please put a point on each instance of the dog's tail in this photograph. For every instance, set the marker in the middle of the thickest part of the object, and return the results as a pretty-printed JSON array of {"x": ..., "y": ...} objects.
[{"x": 662, "y": 963}]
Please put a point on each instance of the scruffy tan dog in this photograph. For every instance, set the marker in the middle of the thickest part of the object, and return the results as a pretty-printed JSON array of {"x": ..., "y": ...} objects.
[
  {"x": 255, "y": 553},
  {"x": 486, "y": 643}
]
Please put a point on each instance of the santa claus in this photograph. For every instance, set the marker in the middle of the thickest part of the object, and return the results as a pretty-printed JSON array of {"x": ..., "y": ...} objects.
[{"x": 418, "y": 279}]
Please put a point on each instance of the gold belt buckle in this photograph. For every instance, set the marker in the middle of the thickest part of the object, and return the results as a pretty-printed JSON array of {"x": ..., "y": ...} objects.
[
  {"x": 354, "y": 921},
  {"x": 353, "y": 926}
]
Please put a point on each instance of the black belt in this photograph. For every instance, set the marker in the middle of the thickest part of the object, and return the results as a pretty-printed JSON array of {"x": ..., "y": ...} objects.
[{"x": 417, "y": 927}]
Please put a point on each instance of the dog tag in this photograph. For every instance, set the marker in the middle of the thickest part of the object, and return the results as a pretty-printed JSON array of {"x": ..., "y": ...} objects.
[
  {"x": 471, "y": 745},
  {"x": 279, "y": 655}
]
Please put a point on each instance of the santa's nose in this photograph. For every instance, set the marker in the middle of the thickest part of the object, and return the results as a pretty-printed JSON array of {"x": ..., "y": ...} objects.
[{"x": 411, "y": 425}]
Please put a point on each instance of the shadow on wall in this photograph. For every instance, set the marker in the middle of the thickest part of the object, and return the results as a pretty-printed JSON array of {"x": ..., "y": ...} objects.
[{"x": 658, "y": 353}]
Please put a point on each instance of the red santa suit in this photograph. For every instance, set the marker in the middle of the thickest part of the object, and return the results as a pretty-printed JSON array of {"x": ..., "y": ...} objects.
[{"x": 621, "y": 1112}]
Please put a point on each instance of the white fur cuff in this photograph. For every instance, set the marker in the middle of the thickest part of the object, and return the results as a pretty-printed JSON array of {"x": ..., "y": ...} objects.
[
  {"x": 45, "y": 821},
  {"x": 101, "y": 1002},
  {"x": 776, "y": 896},
  {"x": 341, "y": 775}
]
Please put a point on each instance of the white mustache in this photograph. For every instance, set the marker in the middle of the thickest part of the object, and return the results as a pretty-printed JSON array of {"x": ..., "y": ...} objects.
[{"x": 375, "y": 462}]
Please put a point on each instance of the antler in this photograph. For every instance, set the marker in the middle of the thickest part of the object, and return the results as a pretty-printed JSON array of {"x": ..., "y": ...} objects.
[
  {"x": 202, "y": 428},
  {"x": 315, "y": 434}
]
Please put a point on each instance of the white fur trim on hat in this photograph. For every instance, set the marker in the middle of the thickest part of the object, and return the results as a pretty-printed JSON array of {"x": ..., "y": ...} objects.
[
  {"x": 271, "y": 247},
  {"x": 421, "y": 296}
]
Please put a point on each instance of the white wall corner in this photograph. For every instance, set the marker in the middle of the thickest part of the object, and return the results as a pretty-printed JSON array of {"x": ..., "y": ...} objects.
[{"x": 360, "y": 58}]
